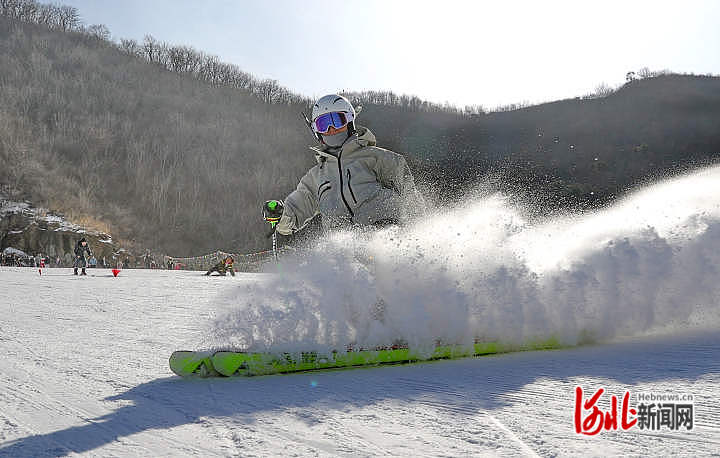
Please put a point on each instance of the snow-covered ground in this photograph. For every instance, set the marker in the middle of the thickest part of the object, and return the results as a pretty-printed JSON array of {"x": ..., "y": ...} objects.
[
  {"x": 84, "y": 371},
  {"x": 84, "y": 359}
]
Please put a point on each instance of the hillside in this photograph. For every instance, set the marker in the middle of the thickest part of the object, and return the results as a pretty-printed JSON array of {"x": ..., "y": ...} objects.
[
  {"x": 164, "y": 161},
  {"x": 161, "y": 159},
  {"x": 605, "y": 145}
]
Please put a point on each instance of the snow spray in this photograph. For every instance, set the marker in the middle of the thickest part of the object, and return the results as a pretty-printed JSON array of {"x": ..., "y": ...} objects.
[{"x": 649, "y": 263}]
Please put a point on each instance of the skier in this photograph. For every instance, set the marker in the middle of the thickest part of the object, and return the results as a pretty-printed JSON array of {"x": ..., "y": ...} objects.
[
  {"x": 41, "y": 265},
  {"x": 222, "y": 267},
  {"x": 354, "y": 182},
  {"x": 80, "y": 261}
]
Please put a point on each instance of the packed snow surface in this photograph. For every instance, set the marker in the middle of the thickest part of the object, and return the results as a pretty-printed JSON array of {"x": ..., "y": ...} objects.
[{"x": 84, "y": 359}]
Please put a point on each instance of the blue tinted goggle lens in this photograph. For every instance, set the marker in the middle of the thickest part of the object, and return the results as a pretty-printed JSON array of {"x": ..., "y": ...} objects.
[{"x": 336, "y": 119}]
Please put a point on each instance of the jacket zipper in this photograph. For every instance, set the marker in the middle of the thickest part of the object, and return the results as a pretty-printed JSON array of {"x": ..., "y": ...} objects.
[
  {"x": 352, "y": 194},
  {"x": 323, "y": 187},
  {"x": 342, "y": 188}
]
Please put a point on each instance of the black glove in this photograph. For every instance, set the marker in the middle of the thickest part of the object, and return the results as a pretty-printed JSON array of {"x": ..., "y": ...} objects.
[{"x": 273, "y": 209}]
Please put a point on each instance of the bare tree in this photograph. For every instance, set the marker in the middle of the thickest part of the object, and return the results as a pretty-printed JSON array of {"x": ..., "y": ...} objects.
[
  {"x": 267, "y": 90},
  {"x": 151, "y": 49},
  {"x": 68, "y": 18},
  {"x": 644, "y": 73},
  {"x": 208, "y": 69},
  {"x": 48, "y": 15},
  {"x": 183, "y": 59},
  {"x": 603, "y": 90},
  {"x": 25, "y": 10},
  {"x": 99, "y": 31},
  {"x": 130, "y": 47}
]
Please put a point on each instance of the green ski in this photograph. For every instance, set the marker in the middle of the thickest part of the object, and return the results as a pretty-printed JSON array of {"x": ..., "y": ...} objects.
[
  {"x": 240, "y": 363},
  {"x": 192, "y": 363}
]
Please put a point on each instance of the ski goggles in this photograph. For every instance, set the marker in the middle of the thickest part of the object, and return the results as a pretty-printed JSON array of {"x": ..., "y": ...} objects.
[{"x": 336, "y": 119}]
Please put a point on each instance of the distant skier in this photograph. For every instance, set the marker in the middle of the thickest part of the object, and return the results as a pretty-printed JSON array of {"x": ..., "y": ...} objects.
[
  {"x": 80, "y": 260},
  {"x": 222, "y": 267},
  {"x": 354, "y": 182}
]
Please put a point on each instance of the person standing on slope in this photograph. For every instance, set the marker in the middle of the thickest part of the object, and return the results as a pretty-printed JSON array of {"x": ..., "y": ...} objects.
[
  {"x": 354, "y": 183},
  {"x": 80, "y": 261}
]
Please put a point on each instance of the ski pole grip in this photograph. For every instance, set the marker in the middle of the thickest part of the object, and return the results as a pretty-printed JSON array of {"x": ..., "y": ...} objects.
[{"x": 273, "y": 223}]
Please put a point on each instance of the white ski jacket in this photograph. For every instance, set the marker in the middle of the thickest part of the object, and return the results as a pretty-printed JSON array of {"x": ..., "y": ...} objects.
[{"x": 361, "y": 184}]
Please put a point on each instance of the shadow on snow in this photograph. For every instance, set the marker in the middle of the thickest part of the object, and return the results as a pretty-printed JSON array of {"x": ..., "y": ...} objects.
[{"x": 476, "y": 384}]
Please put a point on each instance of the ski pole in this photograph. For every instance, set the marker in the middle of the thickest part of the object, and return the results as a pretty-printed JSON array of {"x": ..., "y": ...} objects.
[
  {"x": 273, "y": 220},
  {"x": 307, "y": 122},
  {"x": 274, "y": 239}
]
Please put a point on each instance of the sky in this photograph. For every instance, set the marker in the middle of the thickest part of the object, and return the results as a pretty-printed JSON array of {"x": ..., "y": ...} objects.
[{"x": 474, "y": 52}]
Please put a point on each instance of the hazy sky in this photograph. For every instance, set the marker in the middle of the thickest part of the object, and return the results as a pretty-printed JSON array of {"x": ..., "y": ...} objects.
[{"x": 464, "y": 52}]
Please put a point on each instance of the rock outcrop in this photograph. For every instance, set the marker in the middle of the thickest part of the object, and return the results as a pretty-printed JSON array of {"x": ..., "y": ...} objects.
[{"x": 37, "y": 231}]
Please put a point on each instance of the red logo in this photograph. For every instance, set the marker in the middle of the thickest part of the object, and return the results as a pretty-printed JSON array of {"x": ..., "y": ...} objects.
[{"x": 597, "y": 420}]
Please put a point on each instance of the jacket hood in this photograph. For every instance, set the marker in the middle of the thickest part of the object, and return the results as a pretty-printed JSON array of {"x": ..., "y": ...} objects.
[{"x": 360, "y": 139}]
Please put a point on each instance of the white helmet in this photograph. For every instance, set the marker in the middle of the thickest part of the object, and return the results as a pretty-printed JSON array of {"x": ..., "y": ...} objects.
[{"x": 332, "y": 103}]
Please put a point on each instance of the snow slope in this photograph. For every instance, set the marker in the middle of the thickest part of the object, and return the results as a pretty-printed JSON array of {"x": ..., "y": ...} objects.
[{"x": 84, "y": 371}]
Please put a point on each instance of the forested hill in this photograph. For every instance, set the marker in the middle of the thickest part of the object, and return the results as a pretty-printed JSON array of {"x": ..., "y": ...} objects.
[
  {"x": 113, "y": 135},
  {"x": 585, "y": 151},
  {"x": 153, "y": 156}
]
